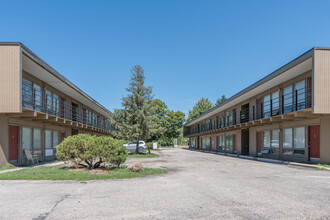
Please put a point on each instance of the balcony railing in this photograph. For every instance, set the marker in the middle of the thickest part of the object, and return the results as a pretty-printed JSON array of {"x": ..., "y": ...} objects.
[
  {"x": 36, "y": 99},
  {"x": 245, "y": 115},
  {"x": 289, "y": 102}
]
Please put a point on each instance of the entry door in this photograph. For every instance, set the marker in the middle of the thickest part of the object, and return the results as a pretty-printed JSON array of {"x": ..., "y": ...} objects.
[
  {"x": 13, "y": 142},
  {"x": 259, "y": 142},
  {"x": 314, "y": 141},
  {"x": 259, "y": 108}
]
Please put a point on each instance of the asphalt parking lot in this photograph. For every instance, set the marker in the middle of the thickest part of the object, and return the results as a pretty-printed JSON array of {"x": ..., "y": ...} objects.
[{"x": 198, "y": 186}]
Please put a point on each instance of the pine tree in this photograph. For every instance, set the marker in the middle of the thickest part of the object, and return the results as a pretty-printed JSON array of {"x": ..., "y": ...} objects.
[
  {"x": 221, "y": 100},
  {"x": 199, "y": 108},
  {"x": 137, "y": 120}
]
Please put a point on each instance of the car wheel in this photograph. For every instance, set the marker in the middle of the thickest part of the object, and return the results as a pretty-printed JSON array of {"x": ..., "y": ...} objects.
[{"x": 141, "y": 150}]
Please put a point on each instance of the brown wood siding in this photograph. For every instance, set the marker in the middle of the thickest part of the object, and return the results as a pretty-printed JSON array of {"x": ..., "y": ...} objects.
[
  {"x": 321, "y": 82},
  {"x": 10, "y": 78},
  {"x": 325, "y": 140}
]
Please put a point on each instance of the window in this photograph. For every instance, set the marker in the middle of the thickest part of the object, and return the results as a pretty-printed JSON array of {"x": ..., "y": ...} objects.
[
  {"x": 37, "y": 142},
  {"x": 287, "y": 141},
  {"x": 230, "y": 118},
  {"x": 27, "y": 138},
  {"x": 275, "y": 103},
  {"x": 266, "y": 139},
  {"x": 221, "y": 143},
  {"x": 193, "y": 142},
  {"x": 287, "y": 100},
  {"x": 27, "y": 93},
  {"x": 299, "y": 95},
  {"x": 49, "y": 143},
  {"x": 275, "y": 141},
  {"x": 206, "y": 143},
  {"x": 299, "y": 140},
  {"x": 37, "y": 92},
  {"x": 32, "y": 141},
  {"x": 52, "y": 139},
  {"x": 56, "y": 139},
  {"x": 229, "y": 143},
  {"x": 56, "y": 105},
  {"x": 266, "y": 109},
  {"x": 49, "y": 101},
  {"x": 222, "y": 120},
  {"x": 294, "y": 141}
]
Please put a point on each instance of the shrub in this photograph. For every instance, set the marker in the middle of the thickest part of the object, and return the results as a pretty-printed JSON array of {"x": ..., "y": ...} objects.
[
  {"x": 91, "y": 150},
  {"x": 150, "y": 145},
  {"x": 111, "y": 150}
]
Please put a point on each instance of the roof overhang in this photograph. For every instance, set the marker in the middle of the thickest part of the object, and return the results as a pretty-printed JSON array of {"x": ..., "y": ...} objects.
[
  {"x": 289, "y": 71},
  {"x": 32, "y": 64}
]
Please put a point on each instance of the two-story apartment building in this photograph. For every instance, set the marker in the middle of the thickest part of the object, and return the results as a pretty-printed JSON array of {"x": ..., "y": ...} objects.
[
  {"x": 39, "y": 107},
  {"x": 285, "y": 115}
]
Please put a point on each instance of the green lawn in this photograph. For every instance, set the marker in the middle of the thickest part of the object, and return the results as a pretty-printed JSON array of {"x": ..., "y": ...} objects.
[
  {"x": 324, "y": 165},
  {"x": 146, "y": 155},
  {"x": 64, "y": 173},
  {"x": 7, "y": 166}
]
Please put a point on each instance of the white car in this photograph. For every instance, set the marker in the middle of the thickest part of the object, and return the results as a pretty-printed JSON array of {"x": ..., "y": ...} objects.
[{"x": 131, "y": 146}]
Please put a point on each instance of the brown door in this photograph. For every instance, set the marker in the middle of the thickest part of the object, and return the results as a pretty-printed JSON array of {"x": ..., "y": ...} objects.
[
  {"x": 62, "y": 136},
  {"x": 13, "y": 142},
  {"x": 259, "y": 109},
  {"x": 62, "y": 107},
  {"x": 259, "y": 142},
  {"x": 314, "y": 141}
]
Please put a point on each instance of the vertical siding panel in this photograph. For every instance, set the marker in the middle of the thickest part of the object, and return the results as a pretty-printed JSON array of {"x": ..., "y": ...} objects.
[
  {"x": 325, "y": 140},
  {"x": 321, "y": 82},
  {"x": 10, "y": 78}
]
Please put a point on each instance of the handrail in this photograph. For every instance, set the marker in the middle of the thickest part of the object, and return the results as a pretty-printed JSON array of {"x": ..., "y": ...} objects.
[
  {"x": 293, "y": 101},
  {"x": 38, "y": 100}
]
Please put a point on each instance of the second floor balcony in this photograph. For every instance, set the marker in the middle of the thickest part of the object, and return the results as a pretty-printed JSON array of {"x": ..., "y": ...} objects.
[
  {"x": 281, "y": 106},
  {"x": 34, "y": 98}
]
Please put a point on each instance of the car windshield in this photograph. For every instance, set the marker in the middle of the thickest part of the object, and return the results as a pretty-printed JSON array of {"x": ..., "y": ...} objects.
[{"x": 141, "y": 142}]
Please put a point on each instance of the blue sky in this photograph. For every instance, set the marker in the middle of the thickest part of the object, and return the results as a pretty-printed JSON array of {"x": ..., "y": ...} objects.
[{"x": 188, "y": 49}]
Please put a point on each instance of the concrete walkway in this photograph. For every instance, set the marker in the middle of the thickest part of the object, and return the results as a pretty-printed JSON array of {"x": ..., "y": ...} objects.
[{"x": 45, "y": 164}]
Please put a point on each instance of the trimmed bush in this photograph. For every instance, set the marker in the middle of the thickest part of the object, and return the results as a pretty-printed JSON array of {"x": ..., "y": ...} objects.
[
  {"x": 91, "y": 151},
  {"x": 150, "y": 145}
]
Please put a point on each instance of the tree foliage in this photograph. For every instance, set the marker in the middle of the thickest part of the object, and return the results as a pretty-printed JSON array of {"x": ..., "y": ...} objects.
[
  {"x": 203, "y": 105},
  {"x": 137, "y": 120},
  {"x": 91, "y": 151},
  {"x": 221, "y": 100}
]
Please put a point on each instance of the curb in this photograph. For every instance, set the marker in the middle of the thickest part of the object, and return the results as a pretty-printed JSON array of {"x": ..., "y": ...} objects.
[
  {"x": 308, "y": 165},
  {"x": 261, "y": 159}
]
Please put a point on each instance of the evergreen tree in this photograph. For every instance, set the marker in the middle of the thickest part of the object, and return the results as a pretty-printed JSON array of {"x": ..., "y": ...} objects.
[
  {"x": 199, "y": 108},
  {"x": 220, "y": 100},
  {"x": 137, "y": 120}
]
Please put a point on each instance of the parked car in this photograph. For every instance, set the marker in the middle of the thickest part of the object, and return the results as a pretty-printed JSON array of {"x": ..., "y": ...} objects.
[{"x": 131, "y": 146}]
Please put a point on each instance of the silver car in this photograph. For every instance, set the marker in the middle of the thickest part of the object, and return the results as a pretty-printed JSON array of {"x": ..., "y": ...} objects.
[{"x": 131, "y": 146}]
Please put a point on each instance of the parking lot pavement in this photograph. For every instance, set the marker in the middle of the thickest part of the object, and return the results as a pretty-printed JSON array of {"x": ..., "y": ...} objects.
[{"x": 198, "y": 186}]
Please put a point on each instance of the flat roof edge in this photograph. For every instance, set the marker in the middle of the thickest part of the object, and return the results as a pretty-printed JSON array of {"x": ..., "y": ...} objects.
[
  {"x": 55, "y": 72},
  {"x": 273, "y": 74}
]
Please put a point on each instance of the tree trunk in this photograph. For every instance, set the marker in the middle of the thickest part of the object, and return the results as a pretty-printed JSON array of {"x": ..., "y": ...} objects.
[
  {"x": 148, "y": 148},
  {"x": 137, "y": 146}
]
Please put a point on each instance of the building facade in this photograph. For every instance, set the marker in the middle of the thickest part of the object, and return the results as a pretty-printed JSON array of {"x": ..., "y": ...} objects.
[
  {"x": 284, "y": 116},
  {"x": 39, "y": 107}
]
